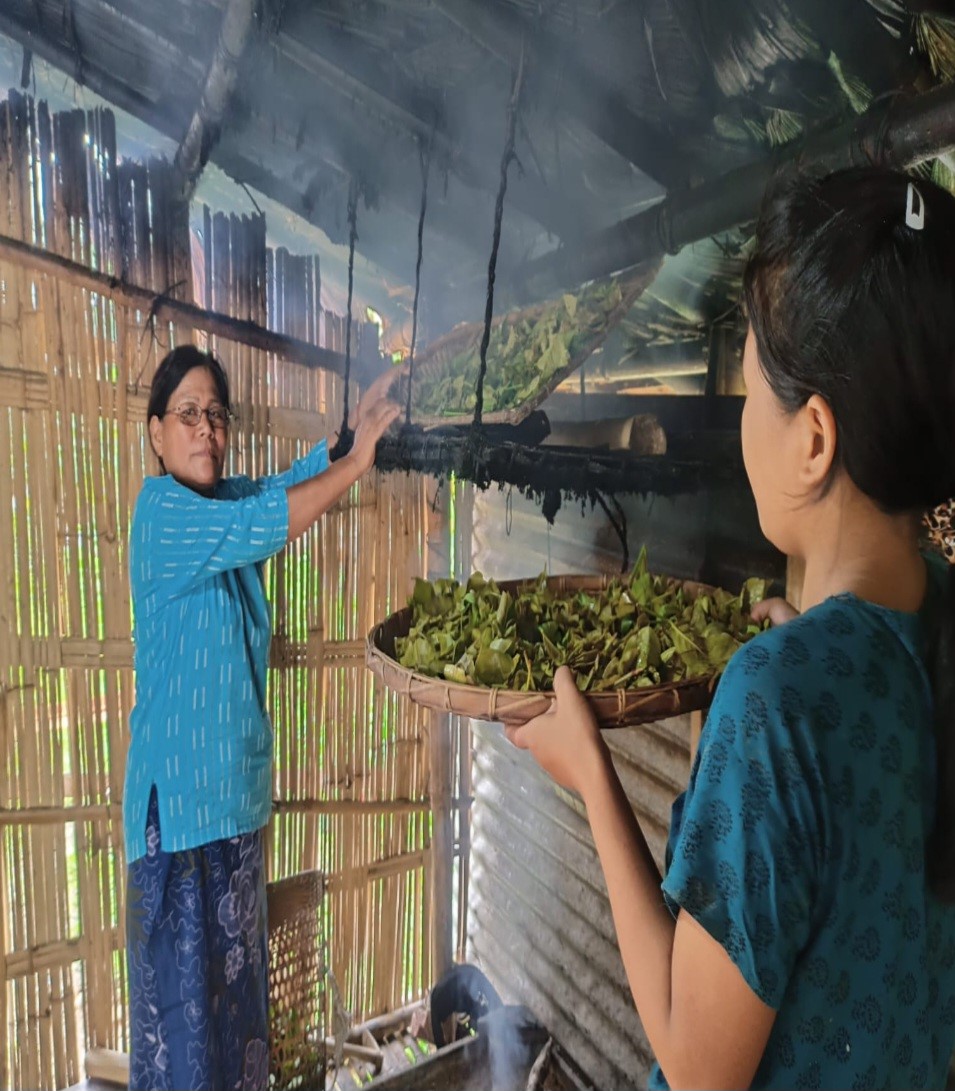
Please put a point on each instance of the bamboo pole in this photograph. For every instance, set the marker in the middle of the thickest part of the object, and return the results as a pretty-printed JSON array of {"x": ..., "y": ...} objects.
[
  {"x": 442, "y": 844},
  {"x": 204, "y": 128},
  {"x": 899, "y": 133},
  {"x": 99, "y": 812}
]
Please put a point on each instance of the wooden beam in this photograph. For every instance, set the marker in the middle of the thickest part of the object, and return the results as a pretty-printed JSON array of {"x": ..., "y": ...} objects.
[
  {"x": 896, "y": 134},
  {"x": 108, "y": 1065},
  {"x": 203, "y": 132},
  {"x": 173, "y": 310}
]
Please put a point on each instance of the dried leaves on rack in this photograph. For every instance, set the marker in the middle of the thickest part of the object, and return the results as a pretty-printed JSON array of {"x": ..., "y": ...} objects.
[{"x": 526, "y": 350}]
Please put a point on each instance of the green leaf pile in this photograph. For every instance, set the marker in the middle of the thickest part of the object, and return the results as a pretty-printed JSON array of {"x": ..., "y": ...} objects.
[
  {"x": 523, "y": 354},
  {"x": 642, "y": 630}
]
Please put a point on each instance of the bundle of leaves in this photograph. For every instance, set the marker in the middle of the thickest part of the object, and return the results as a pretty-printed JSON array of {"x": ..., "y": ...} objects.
[
  {"x": 523, "y": 355},
  {"x": 641, "y": 630}
]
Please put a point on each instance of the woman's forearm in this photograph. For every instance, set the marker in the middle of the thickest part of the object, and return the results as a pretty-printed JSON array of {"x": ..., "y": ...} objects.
[
  {"x": 644, "y": 925},
  {"x": 309, "y": 500}
]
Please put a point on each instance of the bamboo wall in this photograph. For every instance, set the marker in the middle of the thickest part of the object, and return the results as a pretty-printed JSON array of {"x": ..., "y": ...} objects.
[{"x": 351, "y": 772}]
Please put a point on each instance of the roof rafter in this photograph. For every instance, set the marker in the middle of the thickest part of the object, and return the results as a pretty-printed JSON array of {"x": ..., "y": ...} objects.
[{"x": 205, "y": 127}]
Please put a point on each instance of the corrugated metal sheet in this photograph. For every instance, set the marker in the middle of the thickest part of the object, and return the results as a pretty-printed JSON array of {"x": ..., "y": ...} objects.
[
  {"x": 540, "y": 922},
  {"x": 539, "y": 919}
]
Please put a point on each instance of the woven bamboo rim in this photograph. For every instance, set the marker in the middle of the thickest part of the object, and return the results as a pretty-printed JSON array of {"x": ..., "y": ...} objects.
[
  {"x": 613, "y": 708},
  {"x": 437, "y": 355}
]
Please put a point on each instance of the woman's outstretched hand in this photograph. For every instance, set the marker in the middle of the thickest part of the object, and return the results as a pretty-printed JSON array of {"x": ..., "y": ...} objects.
[
  {"x": 376, "y": 419},
  {"x": 565, "y": 741},
  {"x": 778, "y": 610},
  {"x": 379, "y": 389}
]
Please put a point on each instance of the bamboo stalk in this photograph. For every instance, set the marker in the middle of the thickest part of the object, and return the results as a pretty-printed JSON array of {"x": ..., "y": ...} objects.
[
  {"x": 25, "y": 816},
  {"x": 899, "y": 133},
  {"x": 204, "y": 128},
  {"x": 39, "y": 957}
]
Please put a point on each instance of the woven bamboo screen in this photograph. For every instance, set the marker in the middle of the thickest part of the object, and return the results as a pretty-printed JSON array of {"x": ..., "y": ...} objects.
[{"x": 351, "y": 773}]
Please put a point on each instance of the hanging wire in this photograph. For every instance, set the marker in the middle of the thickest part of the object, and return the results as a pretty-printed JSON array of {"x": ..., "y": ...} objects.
[
  {"x": 619, "y": 525},
  {"x": 346, "y": 437},
  {"x": 424, "y": 158},
  {"x": 512, "y": 109}
]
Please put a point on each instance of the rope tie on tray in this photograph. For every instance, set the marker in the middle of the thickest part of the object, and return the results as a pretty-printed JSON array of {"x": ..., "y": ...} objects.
[
  {"x": 619, "y": 525},
  {"x": 346, "y": 437}
]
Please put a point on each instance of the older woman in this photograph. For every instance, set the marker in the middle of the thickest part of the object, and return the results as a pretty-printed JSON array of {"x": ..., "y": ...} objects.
[{"x": 199, "y": 772}]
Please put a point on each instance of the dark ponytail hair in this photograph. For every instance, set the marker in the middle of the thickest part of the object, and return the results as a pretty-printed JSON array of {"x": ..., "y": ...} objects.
[{"x": 850, "y": 299}]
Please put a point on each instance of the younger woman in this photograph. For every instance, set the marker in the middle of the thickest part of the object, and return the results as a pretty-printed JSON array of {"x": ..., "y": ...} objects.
[{"x": 805, "y": 936}]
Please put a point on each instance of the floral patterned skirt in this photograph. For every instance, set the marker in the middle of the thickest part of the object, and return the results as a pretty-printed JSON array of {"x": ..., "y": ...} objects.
[{"x": 198, "y": 970}]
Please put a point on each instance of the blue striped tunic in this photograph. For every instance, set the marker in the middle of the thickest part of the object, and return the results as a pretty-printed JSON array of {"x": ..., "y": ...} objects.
[{"x": 200, "y": 728}]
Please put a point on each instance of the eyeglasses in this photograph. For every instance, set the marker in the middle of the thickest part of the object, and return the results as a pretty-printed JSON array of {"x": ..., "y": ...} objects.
[{"x": 190, "y": 415}]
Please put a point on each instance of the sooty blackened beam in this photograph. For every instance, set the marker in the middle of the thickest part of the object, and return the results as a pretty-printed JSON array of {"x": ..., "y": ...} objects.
[
  {"x": 166, "y": 309},
  {"x": 552, "y": 472},
  {"x": 899, "y": 134},
  {"x": 205, "y": 126}
]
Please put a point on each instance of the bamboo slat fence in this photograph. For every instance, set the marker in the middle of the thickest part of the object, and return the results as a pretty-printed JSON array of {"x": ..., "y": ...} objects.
[{"x": 351, "y": 767}]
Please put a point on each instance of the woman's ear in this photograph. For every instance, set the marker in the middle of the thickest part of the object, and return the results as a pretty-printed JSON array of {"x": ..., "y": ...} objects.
[
  {"x": 155, "y": 436},
  {"x": 818, "y": 442}
]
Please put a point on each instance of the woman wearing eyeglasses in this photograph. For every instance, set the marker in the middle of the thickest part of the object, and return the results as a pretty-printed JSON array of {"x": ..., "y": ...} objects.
[{"x": 198, "y": 788}]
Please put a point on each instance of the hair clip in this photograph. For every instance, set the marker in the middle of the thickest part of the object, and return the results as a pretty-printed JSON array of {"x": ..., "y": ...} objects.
[{"x": 914, "y": 218}]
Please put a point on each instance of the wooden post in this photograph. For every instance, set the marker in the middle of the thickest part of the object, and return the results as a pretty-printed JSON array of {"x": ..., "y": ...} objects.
[
  {"x": 440, "y": 563},
  {"x": 442, "y": 843}
]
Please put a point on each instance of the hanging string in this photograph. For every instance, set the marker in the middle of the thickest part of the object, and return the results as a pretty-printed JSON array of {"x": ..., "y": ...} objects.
[
  {"x": 346, "y": 437},
  {"x": 424, "y": 158},
  {"x": 619, "y": 524},
  {"x": 506, "y": 158}
]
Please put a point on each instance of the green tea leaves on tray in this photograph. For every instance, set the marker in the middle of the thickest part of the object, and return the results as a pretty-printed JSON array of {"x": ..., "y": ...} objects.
[{"x": 641, "y": 630}]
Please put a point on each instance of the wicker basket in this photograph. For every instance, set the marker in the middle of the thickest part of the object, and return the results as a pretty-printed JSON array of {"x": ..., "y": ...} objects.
[
  {"x": 466, "y": 337},
  {"x": 613, "y": 708},
  {"x": 297, "y": 982}
]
